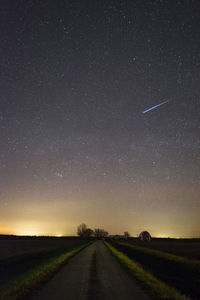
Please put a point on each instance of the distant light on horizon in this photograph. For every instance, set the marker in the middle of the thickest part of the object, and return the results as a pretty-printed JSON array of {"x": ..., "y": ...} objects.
[
  {"x": 161, "y": 236},
  {"x": 32, "y": 233},
  {"x": 27, "y": 233}
]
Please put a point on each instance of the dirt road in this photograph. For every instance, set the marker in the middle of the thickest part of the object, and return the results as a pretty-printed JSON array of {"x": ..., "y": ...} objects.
[{"x": 93, "y": 274}]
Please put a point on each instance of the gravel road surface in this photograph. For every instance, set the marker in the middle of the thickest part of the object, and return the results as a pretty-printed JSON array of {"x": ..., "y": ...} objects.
[{"x": 92, "y": 274}]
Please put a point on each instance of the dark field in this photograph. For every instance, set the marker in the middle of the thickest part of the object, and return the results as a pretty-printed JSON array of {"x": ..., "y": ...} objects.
[
  {"x": 189, "y": 248},
  {"x": 18, "y": 254},
  {"x": 12, "y": 245},
  {"x": 177, "y": 271},
  {"x": 27, "y": 261}
]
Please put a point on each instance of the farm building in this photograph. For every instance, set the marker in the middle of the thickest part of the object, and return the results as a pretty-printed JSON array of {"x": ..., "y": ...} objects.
[
  {"x": 117, "y": 236},
  {"x": 145, "y": 236}
]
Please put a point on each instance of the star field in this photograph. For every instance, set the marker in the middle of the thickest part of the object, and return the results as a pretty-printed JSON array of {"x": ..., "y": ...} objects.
[{"x": 75, "y": 146}]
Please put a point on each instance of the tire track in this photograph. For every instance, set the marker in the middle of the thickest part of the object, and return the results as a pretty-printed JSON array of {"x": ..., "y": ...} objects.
[{"x": 94, "y": 290}]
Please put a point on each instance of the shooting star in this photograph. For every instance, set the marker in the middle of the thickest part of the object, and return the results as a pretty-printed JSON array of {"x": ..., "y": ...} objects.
[{"x": 153, "y": 107}]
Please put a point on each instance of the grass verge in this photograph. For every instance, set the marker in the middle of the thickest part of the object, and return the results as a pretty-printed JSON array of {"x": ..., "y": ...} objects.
[
  {"x": 179, "y": 272},
  {"x": 156, "y": 288},
  {"x": 164, "y": 256},
  {"x": 24, "y": 283}
]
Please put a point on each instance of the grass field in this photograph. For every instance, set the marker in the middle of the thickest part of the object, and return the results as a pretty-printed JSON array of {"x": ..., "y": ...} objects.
[
  {"x": 156, "y": 288},
  {"x": 176, "y": 271},
  {"x": 16, "y": 245},
  {"x": 189, "y": 248},
  {"x": 20, "y": 274}
]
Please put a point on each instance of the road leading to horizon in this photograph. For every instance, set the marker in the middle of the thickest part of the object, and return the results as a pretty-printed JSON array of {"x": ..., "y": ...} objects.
[{"x": 92, "y": 274}]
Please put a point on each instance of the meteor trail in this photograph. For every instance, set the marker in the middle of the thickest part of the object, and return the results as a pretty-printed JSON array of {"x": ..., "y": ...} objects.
[{"x": 153, "y": 107}]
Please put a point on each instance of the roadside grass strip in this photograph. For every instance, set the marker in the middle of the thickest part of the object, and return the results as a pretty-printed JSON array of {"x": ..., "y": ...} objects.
[
  {"x": 163, "y": 255},
  {"x": 179, "y": 272},
  {"x": 156, "y": 288},
  {"x": 24, "y": 283}
]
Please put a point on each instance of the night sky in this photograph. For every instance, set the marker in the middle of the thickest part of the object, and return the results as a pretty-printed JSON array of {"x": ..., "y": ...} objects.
[{"x": 74, "y": 144}]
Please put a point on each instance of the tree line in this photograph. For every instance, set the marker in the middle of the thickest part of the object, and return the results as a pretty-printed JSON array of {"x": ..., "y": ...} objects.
[{"x": 84, "y": 232}]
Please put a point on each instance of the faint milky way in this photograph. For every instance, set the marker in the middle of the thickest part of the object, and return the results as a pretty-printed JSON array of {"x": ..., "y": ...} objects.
[{"x": 74, "y": 144}]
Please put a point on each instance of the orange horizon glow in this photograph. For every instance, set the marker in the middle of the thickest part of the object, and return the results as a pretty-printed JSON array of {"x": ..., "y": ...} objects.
[
  {"x": 32, "y": 233},
  {"x": 97, "y": 207},
  {"x": 62, "y": 236}
]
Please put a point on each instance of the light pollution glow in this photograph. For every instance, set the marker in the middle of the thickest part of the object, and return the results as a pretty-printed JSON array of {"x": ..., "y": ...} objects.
[{"x": 60, "y": 217}]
